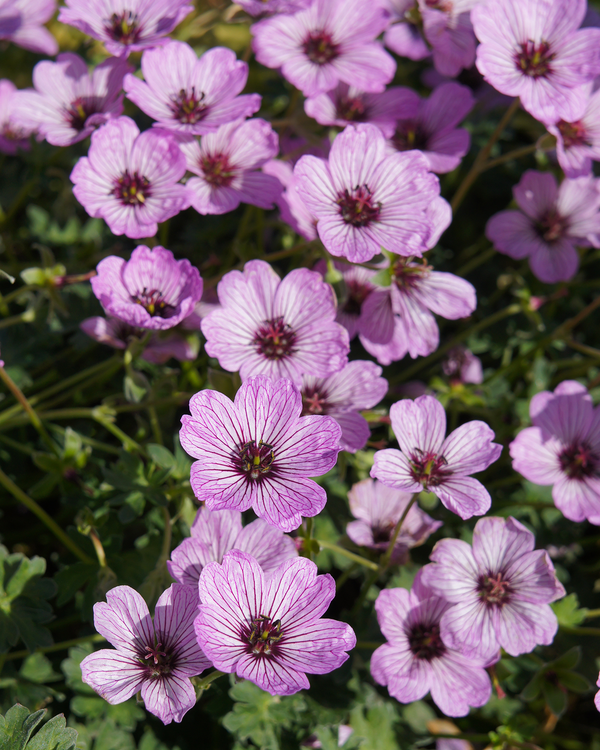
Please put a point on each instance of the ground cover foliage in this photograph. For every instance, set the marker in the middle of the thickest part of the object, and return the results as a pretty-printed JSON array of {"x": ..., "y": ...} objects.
[{"x": 96, "y": 486}]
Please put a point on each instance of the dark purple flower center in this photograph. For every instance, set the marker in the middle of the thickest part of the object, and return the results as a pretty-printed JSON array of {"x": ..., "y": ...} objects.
[
  {"x": 534, "y": 58},
  {"x": 407, "y": 275},
  {"x": 409, "y": 135},
  {"x": 351, "y": 108},
  {"x": 425, "y": 641},
  {"x": 357, "y": 206},
  {"x": 275, "y": 339},
  {"x": 154, "y": 303},
  {"x": 357, "y": 294},
  {"x": 444, "y": 5},
  {"x": 314, "y": 402},
  {"x": 579, "y": 461},
  {"x": 320, "y": 48},
  {"x": 217, "y": 170},
  {"x": 160, "y": 663},
  {"x": 573, "y": 133},
  {"x": 256, "y": 460},
  {"x": 382, "y": 532},
  {"x": 80, "y": 109},
  {"x": 123, "y": 27},
  {"x": 188, "y": 108},
  {"x": 132, "y": 189},
  {"x": 428, "y": 469},
  {"x": 263, "y": 636},
  {"x": 552, "y": 226},
  {"x": 493, "y": 589}
]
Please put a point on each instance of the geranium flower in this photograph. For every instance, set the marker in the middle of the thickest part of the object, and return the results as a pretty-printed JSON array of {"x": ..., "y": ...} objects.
[
  {"x": 578, "y": 142},
  {"x": 21, "y": 22},
  {"x": 258, "y": 451},
  {"x": 270, "y": 630},
  {"x": 266, "y": 7},
  {"x": 157, "y": 658},
  {"x": 129, "y": 178},
  {"x": 14, "y": 134},
  {"x": 429, "y": 461},
  {"x": 462, "y": 365}
]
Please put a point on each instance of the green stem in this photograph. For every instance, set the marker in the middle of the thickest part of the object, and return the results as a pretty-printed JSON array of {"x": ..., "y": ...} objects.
[
  {"x": 4, "y": 300},
  {"x": 346, "y": 553},
  {"x": 591, "y": 613},
  {"x": 154, "y": 423},
  {"x": 128, "y": 443},
  {"x": 581, "y": 631},
  {"x": 203, "y": 682},
  {"x": 56, "y": 646},
  {"x": 517, "y": 153},
  {"x": 84, "y": 439},
  {"x": 477, "y": 261},
  {"x": 14, "y": 320},
  {"x": 387, "y": 555},
  {"x": 16, "y": 445},
  {"x": 588, "y": 350},
  {"x": 18, "y": 493}
]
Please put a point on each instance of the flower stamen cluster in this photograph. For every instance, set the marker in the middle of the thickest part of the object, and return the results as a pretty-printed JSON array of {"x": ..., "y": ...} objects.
[
  {"x": 256, "y": 460},
  {"x": 124, "y": 27},
  {"x": 188, "y": 108},
  {"x": 357, "y": 206},
  {"x": 320, "y": 48},
  {"x": 425, "y": 641},
  {"x": 534, "y": 59},
  {"x": 263, "y": 636},
  {"x": 428, "y": 468},
  {"x": 493, "y": 589}
]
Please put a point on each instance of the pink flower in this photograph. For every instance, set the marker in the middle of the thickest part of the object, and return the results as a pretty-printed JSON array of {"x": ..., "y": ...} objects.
[
  {"x": 331, "y": 41},
  {"x": 403, "y": 35},
  {"x": 228, "y": 163},
  {"x": 126, "y": 25},
  {"x": 150, "y": 290},
  {"x": 68, "y": 103},
  {"x": 563, "y": 449},
  {"x": 551, "y": 222},
  {"x": 429, "y": 461},
  {"x": 462, "y": 365},
  {"x": 157, "y": 658},
  {"x": 21, "y": 22},
  {"x": 342, "y": 395},
  {"x": 259, "y": 451},
  {"x": 14, "y": 134},
  {"x": 415, "y": 661},
  {"x": 378, "y": 509},
  {"x": 270, "y": 630},
  {"x": 432, "y": 129},
  {"x": 284, "y": 327},
  {"x": 364, "y": 199},
  {"x": 264, "y": 7},
  {"x": 578, "y": 142},
  {"x": 189, "y": 95},
  {"x": 597, "y": 696},
  {"x": 214, "y": 533},
  {"x": 345, "y": 105},
  {"x": 129, "y": 178},
  {"x": 500, "y": 590},
  {"x": 534, "y": 51}
]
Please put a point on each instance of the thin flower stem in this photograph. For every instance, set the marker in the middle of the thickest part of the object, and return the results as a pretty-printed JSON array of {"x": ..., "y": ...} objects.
[
  {"x": 482, "y": 156},
  {"x": 166, "y": 546},
  {"x": 6, "y": 299},
  {"x": 31, "y": 413},
  {"x": 203, "y": 682},
  {"x": 15, "y": 319},
  {"x": 589, "y": 350},
  {"x": 595, "y": 632},
  {"x": 154, "y": 423},
  {"x": 477, "y": 261},
  {"x": 387, "y": 555},
  {"x": 592, "y": 613},
  {"x": 350, "y": 555},
  {"x": 18, "y": 493},
  {"x": 100, "y": 553},
  {"x": 84, "y": 439},
  {"x": 16, "y": 445},
  {"x": 127, "y": 442},
  {"x": 517, "y": 153},
  {"x": 96, "y": 638}
]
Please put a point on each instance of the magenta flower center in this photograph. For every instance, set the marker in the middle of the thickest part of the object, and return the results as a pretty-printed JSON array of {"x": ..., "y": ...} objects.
[
  {"x": 154, "y": 303},
  {"x": 382, "y": 532},
  {"x": 579, "y": 461},
  {"x": 320, "y": 48},
  {"x": 428, "y": 469},
  {"x": 275, "y": 339},
  {"x": 573, "y": 134},
  {"x": 80, "y": 109},
  {"x": 159, "y": 662},
  {"x": 217, "y": 170},
  {"x": 256, "y": 460},
  {"x": 494, "y": 590},
  {"x": 314, "y": 402},
  {"x": 408, "y": 275},
  {"x": 262, "y": 636},
  {"x": 188, "y": 108},
  {"x": 123, "y": 27},
  {"x": 425, "y": 641},
  {"x": 351, "y": 108},
  {"x": 552, "y": 226},
  {"x": 132, "y": 189},
  {"x": 534, "y": 58},
  {"x": 357, "y": 206},
  {"x": 409, "y": 135}
]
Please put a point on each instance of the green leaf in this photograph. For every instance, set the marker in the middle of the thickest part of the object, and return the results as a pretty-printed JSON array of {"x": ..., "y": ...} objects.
[
  {"x": 573, "y": 681},
  {"x": 569, "y": 660},
  {"x": 17, "y": 727},
  {"x": 55, "y": 735},
  {"x": 72, "y": 578},
  {"x": 567, "y": 611},
  {"x": 417, "y": 714},
  {"x": 38, "y": 668},
  {"x": 532, "y": 689},
  {"x": 161, "y": 456},
  {"x": 375, "y": 724},
  {"x": 555, "y": 697}
]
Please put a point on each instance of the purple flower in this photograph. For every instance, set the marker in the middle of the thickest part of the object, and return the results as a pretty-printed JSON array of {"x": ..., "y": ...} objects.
[
  {"x": 116, "y": 333},
  {"x": 578, "y": 142},
  {"x": 364, "y": 198},
  {"x": 259, "y": 451},
  {"x": 597, "y": 696},
  {"x": 14, "y": 134},
  {"x": 283, "y": 327},
  {"x": 129, "y": 178},
  {"x": 68, "y": 103},
  {"x": 500, "y": 590},
  {"x": 534, "y": 51},
  {"x": 264, "y": 7},
  {"x": 157, "y": 658},
  {"x": 270, "y": 630},
  {"x": 342, "y": 395},
  {"x": 563, "y": 449},
  {"x": 150, "y": 290},
  {"x": 21, "y": 22},
  {"x": 378, "y": 509},
  {"x": 551, "y": 222},
  {"x": 462, "y": 365},
  {"x": 126, "y": 25},
  {"x": 228, "y": 167},
  {"x": 415, "y": 293},
  {"x": 415, "y": 661},
  {"x": 189, "y": 95},
  {"x": 428, "y": 461},
  {"x": 432, "y": 129},
  {"x": 331, "y": 41},
  {"x": 403, "y": 36},
  {"x": 345, "y": 105},
  {"x": 214, "y": 533}
]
